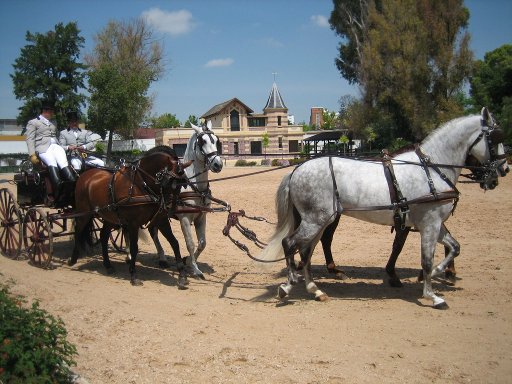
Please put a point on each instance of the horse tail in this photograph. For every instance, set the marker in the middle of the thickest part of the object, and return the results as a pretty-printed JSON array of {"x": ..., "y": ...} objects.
[
  {"x": 285, "y": 222},
  {"x": 83, "y": 235}
]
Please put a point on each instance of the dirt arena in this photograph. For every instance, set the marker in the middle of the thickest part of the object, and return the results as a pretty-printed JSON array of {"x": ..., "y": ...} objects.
[{"x": 230, "y": 328}]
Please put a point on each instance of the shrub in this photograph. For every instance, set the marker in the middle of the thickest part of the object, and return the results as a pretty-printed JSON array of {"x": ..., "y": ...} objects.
[
  {"x": 244, "y": 163},
  {"x": 280, "y": 162},
  {"x": 33, "y": 345},
  {"x": 266, "y": 162}
]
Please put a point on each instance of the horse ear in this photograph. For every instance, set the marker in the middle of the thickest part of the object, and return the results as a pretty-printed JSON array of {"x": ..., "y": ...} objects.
[
  {"x": 487, "y": 117},
  {"x": 209, "y": 125},
  {"x": 196, "y": 128}
]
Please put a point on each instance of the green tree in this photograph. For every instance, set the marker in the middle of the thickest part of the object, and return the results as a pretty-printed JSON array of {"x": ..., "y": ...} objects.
[
  {"x": 166, "y": 120},
  {"x": 410, "y": 58},
  {"x": 124, "y": 63},
  {"x": 492, "y": 80},
  {"x": 264, "y": 141},
  {"x": 192, "y": 119},
  {"x": 49, "y": 68},
  {"x": 370, "y": 136},
  {"x": 330, "y": 119},
  {"x": 344, "y": 140}
]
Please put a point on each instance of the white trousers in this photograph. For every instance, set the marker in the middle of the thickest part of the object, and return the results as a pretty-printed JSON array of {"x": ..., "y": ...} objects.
[
  {"x": 77, "y": 163},
  {"x": 54, "y": 156}
]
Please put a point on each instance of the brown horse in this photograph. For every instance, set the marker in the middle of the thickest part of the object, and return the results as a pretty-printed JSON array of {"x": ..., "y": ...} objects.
[{"x": 131, "y": 197}]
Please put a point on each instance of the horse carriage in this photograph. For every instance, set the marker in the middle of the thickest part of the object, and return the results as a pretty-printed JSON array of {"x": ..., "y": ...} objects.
[
  {"x": 113, "y": 204},
  {"x": 30, "y": 220}
]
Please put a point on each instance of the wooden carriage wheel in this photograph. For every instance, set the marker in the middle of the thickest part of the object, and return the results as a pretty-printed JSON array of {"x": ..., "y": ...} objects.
[
  {"x": 10, "y": 225},
  {"x": 117, "y": 236},
  {"x": 97, "y": 224},
  {"x": 38, "y": 237},
  {"x": 119, "y": 239}
]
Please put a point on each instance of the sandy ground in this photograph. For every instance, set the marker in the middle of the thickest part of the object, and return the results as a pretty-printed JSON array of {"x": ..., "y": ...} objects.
[{"x": 230, "y": 328}]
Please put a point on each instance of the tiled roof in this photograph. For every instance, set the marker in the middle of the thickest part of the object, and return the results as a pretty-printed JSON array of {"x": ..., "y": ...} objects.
[
  {"x": 219, "y": 107},
  {"x": 275, "y": 101}
]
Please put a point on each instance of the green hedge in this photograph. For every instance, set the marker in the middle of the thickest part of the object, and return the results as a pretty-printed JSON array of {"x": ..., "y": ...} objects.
[{"x": 33, "y": 345}]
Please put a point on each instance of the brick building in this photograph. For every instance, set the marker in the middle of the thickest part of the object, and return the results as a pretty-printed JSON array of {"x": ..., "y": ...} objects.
[{"x": 241, "y": 131}]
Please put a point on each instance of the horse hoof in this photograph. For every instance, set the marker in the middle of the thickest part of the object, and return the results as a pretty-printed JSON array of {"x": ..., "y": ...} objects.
[
  {"x": 136, "y": 282},
  {"x": 71, "y": 261},
  {"x": 442, "y": 305},
  {"x": 182, "y": 286},
  {"x": 201, "y": 276},
  {"x": 323, "y": 297},
  {"x": 163, "y": 264},
  {"x": 281, "y": 293},
  {"x": 127, "y": 259},
  {"x": 395, "y": 282}
]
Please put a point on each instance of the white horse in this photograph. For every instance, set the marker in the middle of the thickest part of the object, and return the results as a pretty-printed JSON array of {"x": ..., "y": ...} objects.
[
  {"x": 315, "y": 193},
  {"x": 202, "y": 151}
]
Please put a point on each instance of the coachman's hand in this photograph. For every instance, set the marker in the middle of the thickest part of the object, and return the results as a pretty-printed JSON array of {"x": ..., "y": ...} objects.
[{"x": 34, "y": 159}]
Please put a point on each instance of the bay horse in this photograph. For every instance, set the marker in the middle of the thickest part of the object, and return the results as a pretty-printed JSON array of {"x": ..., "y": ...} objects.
[
  {"x": 310, "y": 198},
  {"x": 202, "y": 152},
  {"x": 130, "y": 197}
]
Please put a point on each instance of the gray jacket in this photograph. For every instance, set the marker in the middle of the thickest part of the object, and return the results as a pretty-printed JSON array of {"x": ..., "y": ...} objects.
[
  {"x": 39, "y": 135},
  {"x": 86, "y": 139}
]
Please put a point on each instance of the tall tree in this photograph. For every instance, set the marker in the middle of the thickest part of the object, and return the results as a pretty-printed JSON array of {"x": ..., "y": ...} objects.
[
  {"x": 49, "y": 68},
  {"x": 125, "y": 61},
  {"x": 410, "y": 58}
]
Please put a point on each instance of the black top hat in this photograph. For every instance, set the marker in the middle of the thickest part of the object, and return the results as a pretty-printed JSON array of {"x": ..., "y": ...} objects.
[
  {"x": 72, "y": 116},
  {"x": 47, "y": 105}
]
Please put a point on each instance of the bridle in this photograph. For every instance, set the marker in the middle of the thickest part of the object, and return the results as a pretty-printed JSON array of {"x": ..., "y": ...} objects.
[
  {"x": 487, "y": 173},
  {"x": 199, "y": 144}
]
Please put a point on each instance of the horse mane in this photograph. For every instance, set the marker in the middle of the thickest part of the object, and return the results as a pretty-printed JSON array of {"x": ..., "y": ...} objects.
[
  {"x": 189, "y": 151},
  {"x": 162, "y": 148}
]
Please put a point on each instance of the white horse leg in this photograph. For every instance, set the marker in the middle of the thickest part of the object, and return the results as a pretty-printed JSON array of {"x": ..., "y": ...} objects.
[
  {"x": 310, "y": 284},
  {"x": 428, "y": 242},
  {"x": 162, "y": 259},
  {"x": 186, "y": 228},
  {"x": 453, "y": 245},
  {"x": 200, "y": 225}
]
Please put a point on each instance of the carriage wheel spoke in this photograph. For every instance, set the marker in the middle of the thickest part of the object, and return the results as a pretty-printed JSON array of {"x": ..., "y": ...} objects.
[
  {"x": 10, "y": 235},
  {"x": 38, "y": 238}
]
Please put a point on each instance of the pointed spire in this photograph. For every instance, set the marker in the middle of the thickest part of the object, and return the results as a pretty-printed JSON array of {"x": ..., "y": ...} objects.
[{"x": 275, "y": 101}]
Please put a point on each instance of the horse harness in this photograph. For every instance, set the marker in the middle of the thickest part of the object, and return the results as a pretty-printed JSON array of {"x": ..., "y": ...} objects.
[
  {"x": 151, "y": 196},
  {"x": 399, "y": 203}
]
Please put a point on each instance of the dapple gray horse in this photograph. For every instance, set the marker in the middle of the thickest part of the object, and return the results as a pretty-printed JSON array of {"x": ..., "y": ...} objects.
[
  {"x": 317, "y": 192},
  {"x": 202, "y": 151}
]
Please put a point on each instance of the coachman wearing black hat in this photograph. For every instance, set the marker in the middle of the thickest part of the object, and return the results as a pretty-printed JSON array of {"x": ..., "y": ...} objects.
[{"x": 42, "y": 143}]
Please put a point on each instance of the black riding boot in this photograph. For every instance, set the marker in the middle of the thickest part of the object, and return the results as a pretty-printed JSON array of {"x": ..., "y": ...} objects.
[
  {"x": 68, "y": 173},
  {"x": 53, "y": 172}
]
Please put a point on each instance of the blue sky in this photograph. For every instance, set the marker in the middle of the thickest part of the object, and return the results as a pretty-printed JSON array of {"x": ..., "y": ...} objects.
[{"x": 217, "y": 50}]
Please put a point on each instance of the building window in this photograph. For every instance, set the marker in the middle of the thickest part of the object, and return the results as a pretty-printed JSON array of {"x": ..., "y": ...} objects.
[
  {"x": 234, "y": 119},
  {"x": 279, "y": 120},
  {"x": 235, "y": 149},
  {"x": 280, "y": 142},
  {"x": 293, "y": 146},
  {"x": 255, "y": 147},
  {"x": 256, "y": 121}
]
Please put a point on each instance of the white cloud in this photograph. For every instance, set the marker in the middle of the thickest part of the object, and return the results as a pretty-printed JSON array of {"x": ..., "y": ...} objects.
[
  {"x": 219, "y": 63},
  {"x": 320, "y": 21},
  {"x": 174, "y": 23}
]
